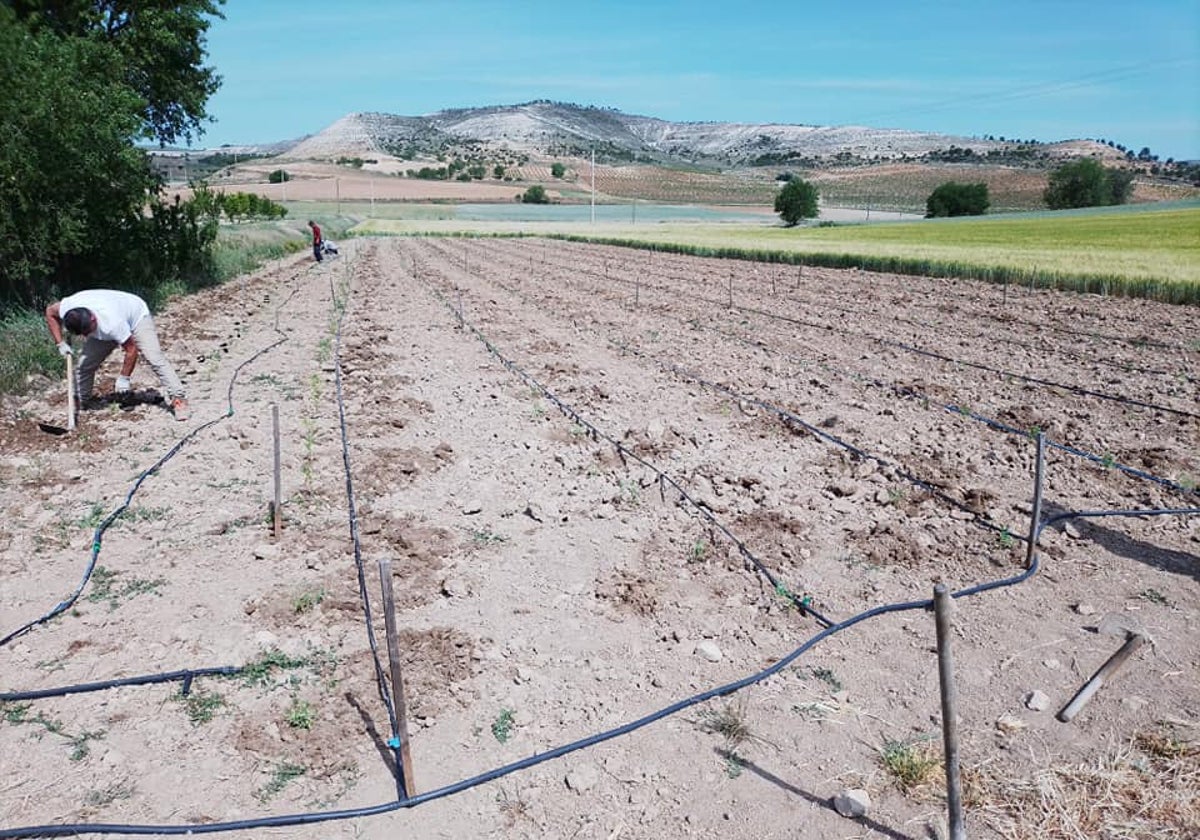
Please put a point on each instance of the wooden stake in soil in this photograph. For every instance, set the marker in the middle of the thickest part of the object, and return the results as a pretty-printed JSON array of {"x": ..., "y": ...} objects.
[
  {"x": 1036, "y": 516},
  {"x": 399, "y": 742},
  {"x": 941, "y": 610},
  {"x": 276, "y": 514}
]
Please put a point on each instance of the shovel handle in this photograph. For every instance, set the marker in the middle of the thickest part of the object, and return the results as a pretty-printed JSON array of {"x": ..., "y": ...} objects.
[{"x": 70, "y": 392}]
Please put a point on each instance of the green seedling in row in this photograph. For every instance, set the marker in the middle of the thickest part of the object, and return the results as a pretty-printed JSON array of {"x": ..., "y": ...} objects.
[
  {"x": 910, "y": 764},
  {"x": 1108, "y": 461},
  {"x": 896, "y": 495},
  {"x": 281, "y": 774},
  {"x": 258, "y": 672},
  {"x": 104, "y": 587},
  {"x": 502, "y": 726},
  {"x": 307, "y": 601},
  {"x": 52, "y": 664},
  {"x": 109, "y": 795},
  {"x": 201, "y": 706},
  {"x": 142, "y": 514},
  {"x": 1006, "y": 539},
  {"x": 79, "y": 744},
  {"x": 92, "y": 518},
  {"x": 1154, "y": 597},
  {"x": 324, "y": 349},
  {"x": 486, "y": 536},
  {"x": 301, "y": 714},
  {"x": 1188, "y": 483},
  {"x": 265, "y": 379},
  {"x": 699, "y": 551},
  {"x": 734, "y": 765},
  {"x": 828, "y": 677},
  {"x": 14, "y": 713}
]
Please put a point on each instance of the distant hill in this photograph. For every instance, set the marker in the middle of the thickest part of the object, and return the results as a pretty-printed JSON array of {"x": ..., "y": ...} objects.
[{"x": 545, "y": 128}]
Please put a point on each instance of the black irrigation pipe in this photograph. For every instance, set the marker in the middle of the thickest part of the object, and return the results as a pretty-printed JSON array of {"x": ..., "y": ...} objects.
[
  {"x": 381, "y": 683},
  {"x": 504, "y": 770},
  {"x": 802, "y": 603},
  {"x": 573, "y": 746}
]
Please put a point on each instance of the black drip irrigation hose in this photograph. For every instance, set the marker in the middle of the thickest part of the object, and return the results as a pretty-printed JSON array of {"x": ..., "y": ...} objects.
[
  {"x": 1106, "y": 462},
  {"x": 381, "y": 684},
  {"x": 531, "y": 761},
  {"x": 803, "y": 603}
]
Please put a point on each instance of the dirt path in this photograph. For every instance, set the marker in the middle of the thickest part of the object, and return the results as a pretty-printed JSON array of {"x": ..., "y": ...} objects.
[{"x": 855, "y": 436}]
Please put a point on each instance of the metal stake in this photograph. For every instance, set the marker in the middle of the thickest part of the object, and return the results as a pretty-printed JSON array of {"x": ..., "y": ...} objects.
[{"x": 277, "y": 515}]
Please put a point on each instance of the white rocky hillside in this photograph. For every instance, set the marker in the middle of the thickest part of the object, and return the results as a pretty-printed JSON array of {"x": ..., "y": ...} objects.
[{"x": 543, "y": 127}]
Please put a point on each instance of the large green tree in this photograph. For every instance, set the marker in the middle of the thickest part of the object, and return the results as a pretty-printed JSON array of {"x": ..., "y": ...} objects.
[
  {"x": 162, "y": 48},
  {"x": 79, "y": 204},
  {"x": 1087, "y": 183},
  {"x": 797, "y": 201},
  {"x": 956, "y": 199}
]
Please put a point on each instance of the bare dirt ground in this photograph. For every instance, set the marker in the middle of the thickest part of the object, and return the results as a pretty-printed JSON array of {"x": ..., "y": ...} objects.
[{"x": 552, "y": 582}]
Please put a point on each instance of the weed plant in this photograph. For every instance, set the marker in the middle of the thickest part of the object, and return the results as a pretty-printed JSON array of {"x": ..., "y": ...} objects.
[
  {"x": 502, "y": 726},
  {"x": 200, "y": 706}
]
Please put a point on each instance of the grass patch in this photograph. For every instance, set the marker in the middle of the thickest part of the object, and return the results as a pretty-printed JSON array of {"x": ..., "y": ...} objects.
[
  {"x": 201, "y": 706},
  {"x": 301, "y": 714},
  {"x": 26, "y": 350},
  {"x": 307, "y": 601},
  {"x": 105, "y": 587},
  {"x": 502, "y": 726},
  {"x": 1148, "y": 787},
  {"x": 912, "y": 765},
  {"x": 260, "y": 671},
  {"x": 281, "y": 774}
]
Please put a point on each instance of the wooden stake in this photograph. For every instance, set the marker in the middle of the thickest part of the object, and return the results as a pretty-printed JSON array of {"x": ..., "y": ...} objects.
[
  {"x": 1036, "y": 515},
  {"x": 1114, "y": 663},
  {"x": 400, "y": 747},
  {"x": 277, "y": 515},
  {"x": 941, "y": 607}
]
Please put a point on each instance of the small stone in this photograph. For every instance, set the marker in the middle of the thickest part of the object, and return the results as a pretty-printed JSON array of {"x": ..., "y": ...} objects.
[
  {"x": 1010, "y": 723},
  {"x": 852, "y": 803},
  {"x": 583, "y": 778},
  {"x": 709, "y": 650},
  {"x": 1071, "y": 530},
  {"x": 1085, "y": 609},
  {"x": 472, "y": 507},
  {"x": 1038, "y": 701},
  {"x": 1052, "y": 664},
  {"x": 455, "y": 587},
  {"x": 266, "y": 551}
]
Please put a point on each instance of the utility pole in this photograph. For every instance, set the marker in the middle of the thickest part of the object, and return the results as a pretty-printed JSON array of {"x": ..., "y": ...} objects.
[{"x": 593, "y": 185}]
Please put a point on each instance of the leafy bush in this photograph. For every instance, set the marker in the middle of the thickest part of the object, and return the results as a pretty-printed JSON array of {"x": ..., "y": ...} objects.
[
  {"x": 558, "y": 170},
  {"x": 955, "y": 199},
  {"x": 535, "y": 195},
  {"x": 796, "y": 201},
  {"x": 1086, "y": 183},
  {"x": 278, "y": 176}
]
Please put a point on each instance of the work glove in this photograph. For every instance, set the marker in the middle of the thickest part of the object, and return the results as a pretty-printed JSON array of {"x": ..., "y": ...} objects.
[
  {"x": 64, "y": 349},
  {"x": 122, "y": 384}
]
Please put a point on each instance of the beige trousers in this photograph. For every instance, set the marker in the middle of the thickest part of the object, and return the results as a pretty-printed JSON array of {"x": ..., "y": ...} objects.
[{"x": 96, "y": 351}]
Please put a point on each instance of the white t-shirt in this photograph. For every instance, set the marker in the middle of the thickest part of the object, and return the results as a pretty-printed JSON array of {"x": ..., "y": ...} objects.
[{"x": 117, "y": 313}]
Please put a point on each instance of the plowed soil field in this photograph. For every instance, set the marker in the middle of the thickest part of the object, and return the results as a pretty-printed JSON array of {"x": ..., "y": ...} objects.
[{"x": 612, "y": 487}]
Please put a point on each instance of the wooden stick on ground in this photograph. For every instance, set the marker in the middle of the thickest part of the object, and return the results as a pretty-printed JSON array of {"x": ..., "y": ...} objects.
[{"x": 1114, "y": 663}]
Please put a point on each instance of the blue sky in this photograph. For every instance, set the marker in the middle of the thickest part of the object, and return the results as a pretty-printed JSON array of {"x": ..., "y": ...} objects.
[{"x": 1026, "y": 69}]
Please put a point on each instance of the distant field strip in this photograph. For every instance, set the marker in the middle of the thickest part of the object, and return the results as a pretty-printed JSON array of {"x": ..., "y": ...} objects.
[{"x": 1134, "y": 252}]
